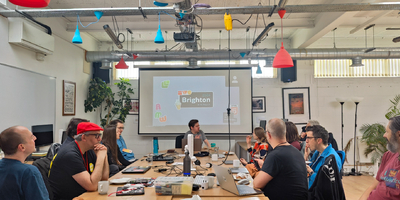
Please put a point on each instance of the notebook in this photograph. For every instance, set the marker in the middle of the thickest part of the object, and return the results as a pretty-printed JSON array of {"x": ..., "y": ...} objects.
[
  {"x": 136, "y": 169},
  {"x": 226, "y": 182},
  {"x": 197, "y": 144}
]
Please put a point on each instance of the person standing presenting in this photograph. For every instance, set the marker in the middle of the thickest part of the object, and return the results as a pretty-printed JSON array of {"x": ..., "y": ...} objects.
[{"x": 197, "y": 133}]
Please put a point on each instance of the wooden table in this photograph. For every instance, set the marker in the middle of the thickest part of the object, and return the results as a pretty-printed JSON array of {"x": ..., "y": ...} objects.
[{"x": 209, "y": 194}]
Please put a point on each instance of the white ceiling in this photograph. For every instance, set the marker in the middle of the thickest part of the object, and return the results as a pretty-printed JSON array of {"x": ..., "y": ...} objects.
[{"x": 305, "y": 30}]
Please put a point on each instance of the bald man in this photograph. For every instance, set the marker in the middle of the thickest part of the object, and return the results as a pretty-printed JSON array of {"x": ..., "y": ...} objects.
[
  {"x": 283, "y": 174},
  {"x": 19, "y": 180}
]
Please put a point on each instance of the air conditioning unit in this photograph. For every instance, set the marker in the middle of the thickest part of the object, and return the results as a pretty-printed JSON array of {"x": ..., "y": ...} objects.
[{"x": 30, "y": 36}]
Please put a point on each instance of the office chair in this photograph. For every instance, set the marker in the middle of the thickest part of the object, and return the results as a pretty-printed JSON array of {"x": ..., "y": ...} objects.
[{"x": 178, "y": 141}]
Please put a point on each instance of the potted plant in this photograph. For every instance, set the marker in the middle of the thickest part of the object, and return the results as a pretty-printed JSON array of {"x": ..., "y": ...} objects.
[
  {"x": 373, "y": 134},
  {"x": 100, "y": 95}
]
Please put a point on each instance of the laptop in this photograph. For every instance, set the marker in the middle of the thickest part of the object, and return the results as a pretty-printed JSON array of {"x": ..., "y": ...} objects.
[
  {"x": 197, "y": 144},
  {"x": 136, "y": 170},
  {"x": 226, "y": 181}
]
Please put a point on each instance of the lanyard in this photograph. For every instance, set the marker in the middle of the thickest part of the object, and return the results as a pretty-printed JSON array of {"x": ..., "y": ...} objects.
[{"x": 85, "y": 163}]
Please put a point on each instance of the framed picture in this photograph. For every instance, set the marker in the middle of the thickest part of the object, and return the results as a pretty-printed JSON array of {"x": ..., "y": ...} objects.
[
  {"x": 296, "y": 104},
  {"x": 134, "y": 106},
  {"x": 69, "y": 98},
  {"x": 258, "y": 104}
]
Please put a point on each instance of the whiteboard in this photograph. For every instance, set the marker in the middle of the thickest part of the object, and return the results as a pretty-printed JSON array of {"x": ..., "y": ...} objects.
[{"x": 26, "y": 98}]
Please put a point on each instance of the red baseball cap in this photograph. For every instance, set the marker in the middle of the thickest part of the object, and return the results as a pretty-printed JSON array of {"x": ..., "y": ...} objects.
[{"x": 87, "y": 126}]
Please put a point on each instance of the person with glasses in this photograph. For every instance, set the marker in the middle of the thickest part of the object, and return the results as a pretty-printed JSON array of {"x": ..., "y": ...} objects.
[
  {"x": 127, "y": 153},
  {"x": 72, "y": 172},
  {"x": 317, "y": 140}
]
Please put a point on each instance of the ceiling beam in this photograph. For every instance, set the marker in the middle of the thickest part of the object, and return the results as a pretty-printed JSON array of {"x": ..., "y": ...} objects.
[
  {"x": 325, "y": 23},
  {"x": 128, "y": 11},
  {"x": 370, "y": 21}
]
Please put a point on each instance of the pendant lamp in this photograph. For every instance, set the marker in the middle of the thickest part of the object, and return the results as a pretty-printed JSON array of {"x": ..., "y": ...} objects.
[
  {"x": 31, "y": 3},
  {"x": 159, "y": 38},
  {"x": 77, "y": 39},
  {"x": 121, "y": 64},
  {"x": 282, "y": 58},
  {"x": 258, "y": 69},
  {"x": 134, "y": 56}
]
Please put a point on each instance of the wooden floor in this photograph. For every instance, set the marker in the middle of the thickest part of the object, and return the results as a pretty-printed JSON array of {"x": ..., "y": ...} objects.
[{"x": 354, "y": 186}]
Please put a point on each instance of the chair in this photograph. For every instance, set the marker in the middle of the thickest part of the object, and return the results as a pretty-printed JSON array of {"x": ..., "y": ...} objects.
[
  {"x": 64, "y": 136},
  {"x": 178, "y": 141},
  {"x": 53, "y": 150}
]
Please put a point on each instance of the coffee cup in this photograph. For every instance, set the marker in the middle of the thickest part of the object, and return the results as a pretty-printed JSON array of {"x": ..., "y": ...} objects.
[
  {"x": 236, "y": 163},
  {"x": 210, "y": 180},
  {"x": 102, "y": 187}
]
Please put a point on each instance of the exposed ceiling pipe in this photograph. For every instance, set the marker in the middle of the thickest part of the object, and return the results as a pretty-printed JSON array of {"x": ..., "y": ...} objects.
[
  {"x": 296, "y": 54},
  {"x": 131, "y": 11}
]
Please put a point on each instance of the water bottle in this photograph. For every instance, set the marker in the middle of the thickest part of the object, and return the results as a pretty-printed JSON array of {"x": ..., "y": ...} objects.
[
  {"x": 155, "y": 145},
  {"x": 186, "y": 163}
]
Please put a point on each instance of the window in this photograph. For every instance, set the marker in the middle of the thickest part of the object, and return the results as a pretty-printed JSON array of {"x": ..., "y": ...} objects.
[
  {"x": 371, "y": 68},
  {"x": 267, "y": 72}
]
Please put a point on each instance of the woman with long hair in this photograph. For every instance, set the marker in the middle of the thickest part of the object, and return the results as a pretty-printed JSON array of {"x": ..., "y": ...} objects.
[
  {"x": 259, "y": 151},
  {"x": 292, "y": 135},
  {"x": 115, "y": 159}
]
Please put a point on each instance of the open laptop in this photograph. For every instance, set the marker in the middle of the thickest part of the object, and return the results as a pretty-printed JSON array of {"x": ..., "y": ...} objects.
[
  {"x": 197, "y": 144},
  {"x": 226, "y": 181},
  {"x": 136, "y": 169}
]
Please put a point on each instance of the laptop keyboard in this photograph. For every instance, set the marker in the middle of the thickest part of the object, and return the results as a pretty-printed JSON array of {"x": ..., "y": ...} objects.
[{"x": 244, "y": 189}]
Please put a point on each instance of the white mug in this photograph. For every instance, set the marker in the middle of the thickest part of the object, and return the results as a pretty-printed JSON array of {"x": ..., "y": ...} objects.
[
  {"x": 102, "y": 187},
  {"x": 236, "y": 163},
  {"x": 214, "y": 157},
  {"x": 210, "y": 181},
  {"x": 204, "y": 184}
]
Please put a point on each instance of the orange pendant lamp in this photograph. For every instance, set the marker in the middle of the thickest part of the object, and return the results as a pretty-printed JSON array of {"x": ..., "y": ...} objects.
[
  {"x": 282, "y": 58},
  {"x": 31, "y": 3},
  {"x": 121, "y": 64}
]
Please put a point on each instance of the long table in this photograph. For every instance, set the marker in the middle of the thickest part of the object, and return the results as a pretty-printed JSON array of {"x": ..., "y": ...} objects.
[{"x": 209, "y": 194}]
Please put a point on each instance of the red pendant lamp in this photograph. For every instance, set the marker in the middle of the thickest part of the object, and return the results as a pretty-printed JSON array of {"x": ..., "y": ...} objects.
[
  {"x": 31, "y": 3},
  {"x": 282, "y": 58},
  {"x": 121, "y": 64}
]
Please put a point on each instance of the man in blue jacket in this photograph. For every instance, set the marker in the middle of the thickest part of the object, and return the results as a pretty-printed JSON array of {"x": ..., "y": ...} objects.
[{"x": 317, "y": 139}]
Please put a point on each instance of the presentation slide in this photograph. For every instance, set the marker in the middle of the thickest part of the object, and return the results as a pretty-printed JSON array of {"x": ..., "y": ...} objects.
[{"x": 169, "y": 99}]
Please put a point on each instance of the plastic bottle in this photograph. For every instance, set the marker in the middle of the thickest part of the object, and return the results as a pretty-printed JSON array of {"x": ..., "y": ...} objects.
[
  {"x": 186, "y": 163},
  {"x": 155, "y": 145}
]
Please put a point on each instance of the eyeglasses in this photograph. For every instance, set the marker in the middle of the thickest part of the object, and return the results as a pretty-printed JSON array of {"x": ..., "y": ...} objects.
[
  {"x": 122, "y": 128},
  {"x": 311, "y": 137},
  {"x": 96, "y": 135}
]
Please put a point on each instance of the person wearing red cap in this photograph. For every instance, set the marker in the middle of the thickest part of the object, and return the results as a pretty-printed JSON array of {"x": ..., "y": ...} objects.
[{"x": 72, "y": 172}]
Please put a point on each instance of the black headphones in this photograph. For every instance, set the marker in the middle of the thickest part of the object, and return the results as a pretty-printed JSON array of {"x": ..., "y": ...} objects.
[{"x": 208, "y": 165}]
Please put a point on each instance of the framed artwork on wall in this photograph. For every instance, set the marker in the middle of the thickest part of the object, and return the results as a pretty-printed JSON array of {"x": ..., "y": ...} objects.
[
  {"x": 296, "y": 104},
  {"x": 258, "y": 104},
  {"x": 69, "y": 98},
  {"x": 134, "y": 106}
]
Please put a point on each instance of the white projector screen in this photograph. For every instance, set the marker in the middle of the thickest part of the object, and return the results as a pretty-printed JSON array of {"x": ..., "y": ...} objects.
[{"x": 170, "y": 98}]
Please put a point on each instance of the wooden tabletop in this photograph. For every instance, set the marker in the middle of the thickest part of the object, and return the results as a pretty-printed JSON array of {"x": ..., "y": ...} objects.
[{"x": 209, "y": 194}]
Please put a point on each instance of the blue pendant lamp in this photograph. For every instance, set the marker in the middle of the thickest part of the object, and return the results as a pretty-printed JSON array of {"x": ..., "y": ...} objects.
[
  {"x": 258, "y": 69},
  {"x": 77, "y": 36},
  {"x": 77, "y": 39},
  {"x": 159, "y": 38}
]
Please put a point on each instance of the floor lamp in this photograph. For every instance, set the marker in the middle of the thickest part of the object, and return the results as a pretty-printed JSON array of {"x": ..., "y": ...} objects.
[
  {"x": 341, "y": 101},
  {"x": 354, "y": 171}
]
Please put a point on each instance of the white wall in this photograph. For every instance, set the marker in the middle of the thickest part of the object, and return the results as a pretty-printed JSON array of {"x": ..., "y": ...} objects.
[
  {"x": 65, "y": 64},
  {"x": 324, "y": 108}
]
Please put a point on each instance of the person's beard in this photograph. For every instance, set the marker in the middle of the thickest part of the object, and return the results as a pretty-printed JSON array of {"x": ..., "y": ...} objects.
[{"x": 393, "y": 144}]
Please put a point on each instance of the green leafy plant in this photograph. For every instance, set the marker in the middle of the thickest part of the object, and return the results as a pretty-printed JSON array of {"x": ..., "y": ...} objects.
[
  {"x": 101, "y": 96},
  {"x": 373, "y": 134}
]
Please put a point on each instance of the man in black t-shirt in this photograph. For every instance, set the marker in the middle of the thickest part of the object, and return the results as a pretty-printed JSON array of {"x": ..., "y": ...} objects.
[
  {"x": 75, "y": 169},
  {"x": 283, "y": 174}
]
